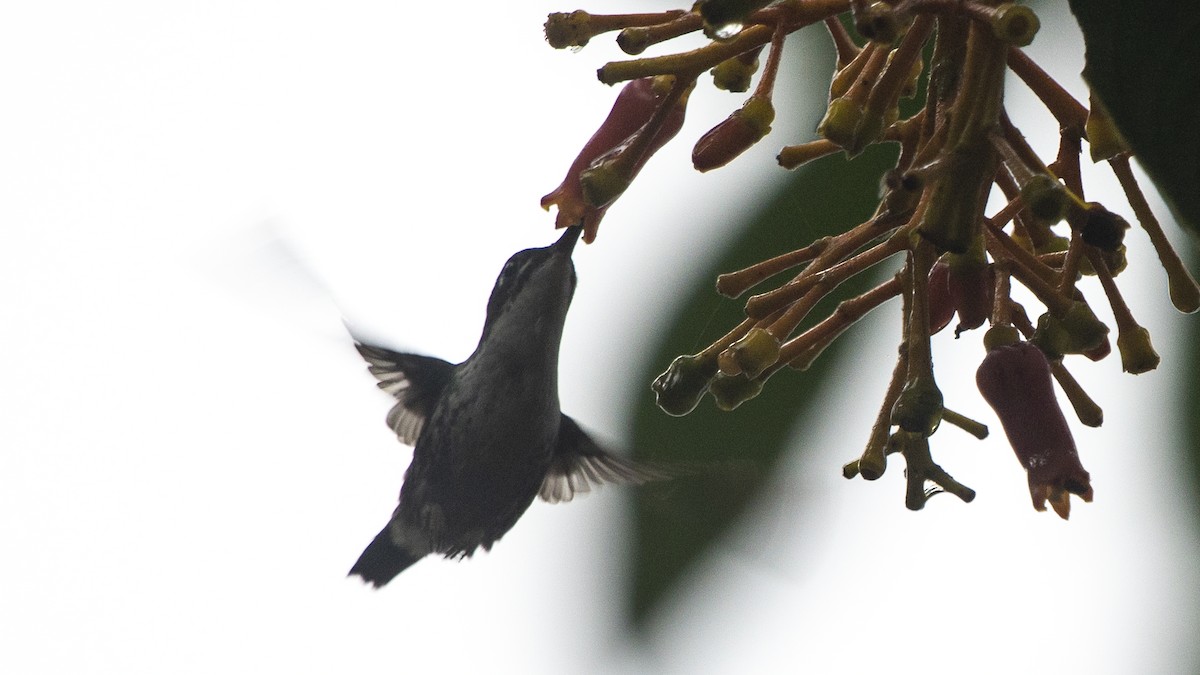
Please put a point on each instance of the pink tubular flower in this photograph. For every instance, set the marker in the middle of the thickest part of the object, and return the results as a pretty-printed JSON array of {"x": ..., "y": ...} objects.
[
  {"x": 633, "y": 109},
  {"x": 941, "y": 304},
  {"x": 724, "y": 142},
  {"x": 961, "y": 289},
  {"x": 1015, "y": 381}
]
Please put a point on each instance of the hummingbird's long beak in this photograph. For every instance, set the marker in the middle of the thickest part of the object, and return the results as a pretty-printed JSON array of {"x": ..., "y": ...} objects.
[{"x": 566, "y": 243}]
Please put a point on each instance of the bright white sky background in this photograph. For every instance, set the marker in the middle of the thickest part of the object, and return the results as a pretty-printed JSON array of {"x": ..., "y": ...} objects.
[{"x": 194, "y": 194}]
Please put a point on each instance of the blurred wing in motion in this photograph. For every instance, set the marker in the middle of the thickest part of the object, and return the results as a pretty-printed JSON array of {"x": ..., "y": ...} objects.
[
  {"x": 415, "y": 381},
  {"x": 580, "y": 464}
]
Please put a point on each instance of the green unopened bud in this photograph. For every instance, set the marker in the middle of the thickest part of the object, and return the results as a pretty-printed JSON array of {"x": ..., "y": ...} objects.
[
  {"x": 678, "y": 390},
  {"x": 634, "y": 40},
  {"x": 1000, "y": 336},
  {"x": 918, "y": 409},
  {"x": 1088, "y": 331},
  {"x": 569, "y": 29},
  {"x": 734, "y": 74},
  {"x": 795, "y": 156},
  {"x": 754, "y": 353},
  {"x": 1051, "y": 337},
  {"x": 879, "y": 23},
  {"x": 1015, "y": 24},
  {"x": 730, "y": 391},
  {"x": 1046, "y": 198},
  {"x": 1114, "y": 260},
  {"x": 841, "y": 121},
  {"x": 1104, "y": 138},
  {"x": 1137, "y": 353},
  {"x": 759, "y": 113}
]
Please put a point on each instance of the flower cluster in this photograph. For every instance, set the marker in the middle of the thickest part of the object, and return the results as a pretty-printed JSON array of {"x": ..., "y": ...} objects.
[{"x": 954, "y": 257}]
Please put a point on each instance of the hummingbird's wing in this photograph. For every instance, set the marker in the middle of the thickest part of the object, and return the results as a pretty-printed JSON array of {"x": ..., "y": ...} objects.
[
  {"x": 580, "y": 463},
  {"x": 416, "y": 381}
]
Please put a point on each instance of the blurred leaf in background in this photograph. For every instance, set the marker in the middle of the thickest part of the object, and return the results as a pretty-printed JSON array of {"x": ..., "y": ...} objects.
[
  {"x": 1143, "y": 60},
  {"x": 679, "y": 521}
]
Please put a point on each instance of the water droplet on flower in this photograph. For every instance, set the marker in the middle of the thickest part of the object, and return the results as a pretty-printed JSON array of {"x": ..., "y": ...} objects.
[{"x": 727, "y": 31}]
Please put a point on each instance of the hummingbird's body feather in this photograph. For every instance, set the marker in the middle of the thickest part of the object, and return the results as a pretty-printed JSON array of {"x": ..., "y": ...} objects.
[{"x": 488, "y": 434}]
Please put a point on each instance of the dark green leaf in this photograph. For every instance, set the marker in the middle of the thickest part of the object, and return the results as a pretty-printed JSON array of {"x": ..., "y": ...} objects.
[
  {"x": 1143, "y": 61},
  {"x": 679, "y": 521}
]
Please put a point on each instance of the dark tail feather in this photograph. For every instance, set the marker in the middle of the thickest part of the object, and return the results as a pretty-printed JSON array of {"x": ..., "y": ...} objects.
[{"x": 382, "y": 560}]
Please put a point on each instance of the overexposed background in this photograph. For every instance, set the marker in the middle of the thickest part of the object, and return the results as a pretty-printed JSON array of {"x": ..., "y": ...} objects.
[{"x": 193, "y": 195}]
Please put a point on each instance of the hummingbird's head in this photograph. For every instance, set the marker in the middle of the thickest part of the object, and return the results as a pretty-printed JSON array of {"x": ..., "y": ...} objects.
[{"x": 532, "y": 293}]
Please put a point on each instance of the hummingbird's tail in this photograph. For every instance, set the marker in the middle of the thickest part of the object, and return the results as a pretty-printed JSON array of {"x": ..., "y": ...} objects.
[{"x": 383, "y": 560}]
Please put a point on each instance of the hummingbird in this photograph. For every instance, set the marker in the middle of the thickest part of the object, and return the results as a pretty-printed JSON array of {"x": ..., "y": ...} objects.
[{"x": 488, "y": 434}]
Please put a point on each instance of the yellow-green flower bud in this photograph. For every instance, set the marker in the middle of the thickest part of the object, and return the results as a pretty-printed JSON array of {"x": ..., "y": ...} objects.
[
  {"x": 734, "y": 74},
  {"x": 879, "y": 23},
  {"x": 568, "y": 29},
  {"x": 1137, "y": 353},
  {"x": 678, "y": 390},
  {"x": 1104, "y": 138},
  {"x": 1051, "y": 337},
  {"x": 795, "y": 156},
  {"x": 755, "y": 352},
  {"x": 730, "y": 391},
  {"x": 1015, "y": 24},
  {"x": 634, "y": 40},
  {"x": 841, "y": 121},
  {"x": 918, "y": 409},
  {"x": 1114, "y": 260},
  {"x": 1088, "y": 331},
  {"x": 1046, "y": 198},
  {"x": 1000, "y": 336},
  {"x": 1075, "y": 331}
]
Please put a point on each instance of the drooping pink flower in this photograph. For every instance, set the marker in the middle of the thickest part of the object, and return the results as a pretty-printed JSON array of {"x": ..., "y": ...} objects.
[
  {"x": 941, "y": 305},
  {"x": 733, "y": 136},
  {"x": 635, "y": 105},
  {"x": 961, "y": 289},
  {"x": 1015, "y": 381}
]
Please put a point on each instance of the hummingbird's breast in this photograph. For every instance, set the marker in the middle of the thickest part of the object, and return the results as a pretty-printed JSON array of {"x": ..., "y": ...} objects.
[{"x": 482, "y": 455}]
